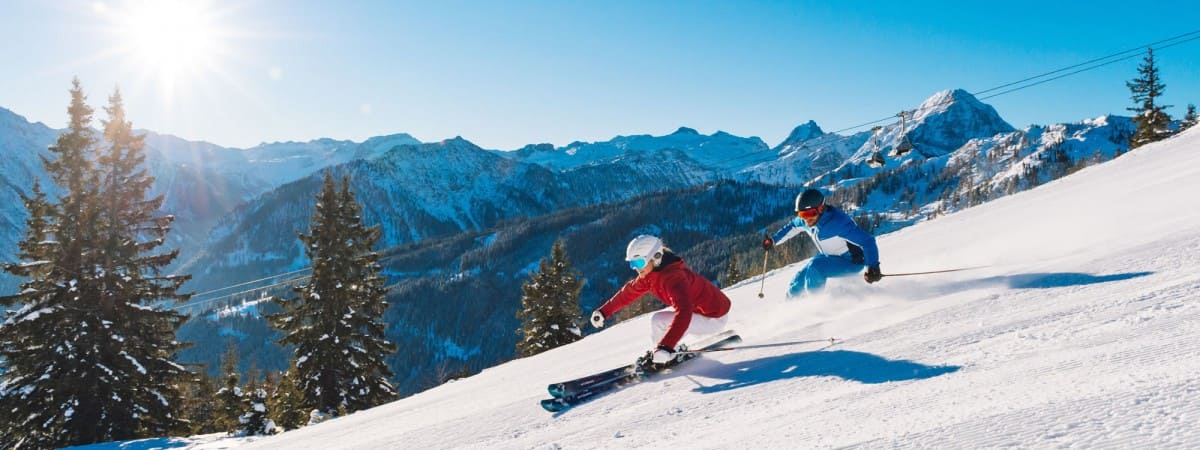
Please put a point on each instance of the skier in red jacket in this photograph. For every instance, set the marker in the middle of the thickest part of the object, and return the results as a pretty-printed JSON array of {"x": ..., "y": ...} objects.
[{"x": 700, "y": 307}]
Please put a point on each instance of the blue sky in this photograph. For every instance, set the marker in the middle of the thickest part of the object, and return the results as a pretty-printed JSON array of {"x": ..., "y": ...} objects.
[{"x": 506, "y": 74}]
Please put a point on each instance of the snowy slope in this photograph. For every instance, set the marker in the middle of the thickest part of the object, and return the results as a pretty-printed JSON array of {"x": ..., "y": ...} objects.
[{"x": 1082, "y": 331}]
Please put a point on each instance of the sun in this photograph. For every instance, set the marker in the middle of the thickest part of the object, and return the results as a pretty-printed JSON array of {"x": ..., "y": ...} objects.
[{"x": 171, "y": 41}]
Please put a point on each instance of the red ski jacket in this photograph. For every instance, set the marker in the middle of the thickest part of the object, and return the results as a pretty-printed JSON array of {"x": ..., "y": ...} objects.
[{"x": 676, "y": 285}]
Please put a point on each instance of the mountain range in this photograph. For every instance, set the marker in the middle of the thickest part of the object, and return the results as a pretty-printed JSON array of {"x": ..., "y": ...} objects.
[{"x": 239, "y": 210}]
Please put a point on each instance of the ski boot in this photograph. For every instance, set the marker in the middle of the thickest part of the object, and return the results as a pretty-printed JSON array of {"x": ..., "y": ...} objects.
[{"x": 645, "y": 364}]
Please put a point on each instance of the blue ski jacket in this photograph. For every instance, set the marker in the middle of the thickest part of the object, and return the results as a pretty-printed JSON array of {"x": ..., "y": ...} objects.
[{"x": 835, "y": 234}]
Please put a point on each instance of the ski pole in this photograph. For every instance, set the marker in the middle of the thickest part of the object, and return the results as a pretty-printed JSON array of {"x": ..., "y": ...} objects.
[
  {"x": 931, "y": 272},
  {"x": 763, "y": 283},
  {"x": 831, "y": 341}
]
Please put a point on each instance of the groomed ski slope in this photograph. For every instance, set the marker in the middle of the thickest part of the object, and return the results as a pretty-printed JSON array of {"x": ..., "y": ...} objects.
[{"x": 1084, "y": 331}]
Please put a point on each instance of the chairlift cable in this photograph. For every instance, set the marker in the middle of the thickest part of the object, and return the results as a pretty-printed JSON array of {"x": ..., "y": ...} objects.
[{"x": 253, "y": 281}]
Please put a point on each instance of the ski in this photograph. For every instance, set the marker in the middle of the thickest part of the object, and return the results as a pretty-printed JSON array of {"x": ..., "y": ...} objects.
[{"x": 574, "y": 392}]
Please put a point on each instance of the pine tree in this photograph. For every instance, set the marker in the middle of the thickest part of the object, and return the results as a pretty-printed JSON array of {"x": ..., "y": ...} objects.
[
  {"x": 335, "y": 321},
  {"x": 15, "y": 341},
  {"x": 733, "y": 274},
  {"x": 229, "y": 397},
  {"x": 1189, "y": 118},
  {"x": 550, "y": 305},
  {"x": 200, "y": 404},
  {"x": 35, "y": 249},
  {"x": 1151, "y": 118},
  {"x": 255, "y": 419},
  {"x": 52, "y": 385},
  {"x": 287, "y": 402},
  {"x": 145, "y": 379}
]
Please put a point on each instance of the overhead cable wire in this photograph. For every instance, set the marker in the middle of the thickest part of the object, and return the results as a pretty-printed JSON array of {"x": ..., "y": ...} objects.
[
  {"x": 239, "y": 293},
  {"x": 252, "y": 281},
  {"x": 1124, "y": 55},
  {"x": 1097, "y": 66},
  {"x": 1134, "y": 49}
]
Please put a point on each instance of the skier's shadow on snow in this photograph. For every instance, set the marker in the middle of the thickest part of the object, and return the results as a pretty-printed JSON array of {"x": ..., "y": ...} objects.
[
  {"x": 847, "y": 365},
  {"x": 1046, "y": 280}
]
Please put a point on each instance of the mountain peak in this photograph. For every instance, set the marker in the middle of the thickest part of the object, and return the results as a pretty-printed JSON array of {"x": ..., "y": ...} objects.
[
  {"x": 8, "y": 116},
  {"x": 943, "y": 101},
  {"x": 950, "y": 118},
  {"x": 686, "y": 130},
  {"x": 803, "y": 132},
  {"x": 379, "y": 145}
]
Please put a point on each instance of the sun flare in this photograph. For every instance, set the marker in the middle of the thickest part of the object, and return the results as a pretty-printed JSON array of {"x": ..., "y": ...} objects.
[{"x": 170, "y": 40}]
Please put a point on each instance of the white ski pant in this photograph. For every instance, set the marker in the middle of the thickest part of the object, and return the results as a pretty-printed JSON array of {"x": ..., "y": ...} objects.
[{"x": 702, "y": 326}]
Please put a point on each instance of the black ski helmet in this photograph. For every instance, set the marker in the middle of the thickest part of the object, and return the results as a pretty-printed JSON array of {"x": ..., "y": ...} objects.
[{"x": 810, "y": 198}]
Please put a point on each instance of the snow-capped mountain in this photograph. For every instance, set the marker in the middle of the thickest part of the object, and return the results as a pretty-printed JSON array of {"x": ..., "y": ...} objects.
[
  {"x": 413, "y": 191},
  {"x": 807, "y": 153},
  {"x": 268, "y": 165},
  {"x": 942, "y": 124},
  {"x": 200, "y": 181},
  {"x": 418, "y": 192},
  {"x": 979, "y": 170},
  {"x": 718, "y": 151},
  {"x": 947, "y": 120}
]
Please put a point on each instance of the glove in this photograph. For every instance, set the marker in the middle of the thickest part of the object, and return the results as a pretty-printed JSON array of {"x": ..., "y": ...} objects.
[
  {"x": 663, "y": 354},
  {"x": 597, "y": 319},
  {"x": 873, "y": 274},
  {"x": 768, "y": 243}
]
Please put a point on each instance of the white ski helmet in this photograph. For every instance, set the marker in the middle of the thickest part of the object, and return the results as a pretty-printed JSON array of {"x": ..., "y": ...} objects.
[{"x": 644, "y": 246}]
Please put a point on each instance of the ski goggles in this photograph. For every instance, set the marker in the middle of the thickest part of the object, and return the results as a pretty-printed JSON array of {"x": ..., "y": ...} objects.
[
  {"x": 637, "y": 264},
  {"x": 808, "y": 213}
]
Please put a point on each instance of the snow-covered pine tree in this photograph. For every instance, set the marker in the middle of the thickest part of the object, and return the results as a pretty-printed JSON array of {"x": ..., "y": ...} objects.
[
  {"x": 286, "y": 402},
  {"x": 135, "y": 335},
  {"x": 1152, "y": 120},
  {"x": 550, "y": 314},
  {"x": 73, "y": 369},
  {"x": 35, "y": 249},
  {"x": 255, "y": 419},
  {"x": 37, "y": 349},
  {"x": 229, "y": 396},
  {"x": 335, "y": 321},
  {"x": 1189, "y": 118},
  {"x": 19, "y": 341}
]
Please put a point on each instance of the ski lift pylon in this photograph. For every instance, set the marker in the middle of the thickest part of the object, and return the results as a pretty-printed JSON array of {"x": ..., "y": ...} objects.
[
  {"x": 876, "y": 159},
  {"x": 904, "y": 146}
]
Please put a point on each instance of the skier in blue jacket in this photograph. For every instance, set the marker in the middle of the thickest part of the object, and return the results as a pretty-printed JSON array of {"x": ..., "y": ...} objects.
[{"x": 842, "y": 247}]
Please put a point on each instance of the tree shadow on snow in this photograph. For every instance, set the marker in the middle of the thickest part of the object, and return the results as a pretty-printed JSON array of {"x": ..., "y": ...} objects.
[
  {"x": 847, "y": 365},
  {"x": 1047, "y": 280}
]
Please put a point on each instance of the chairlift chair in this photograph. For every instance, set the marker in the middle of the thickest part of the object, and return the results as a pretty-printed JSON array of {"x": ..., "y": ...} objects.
[
  {"x": 876, "y": 160},
  {"x": 904, "y": 146}
]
